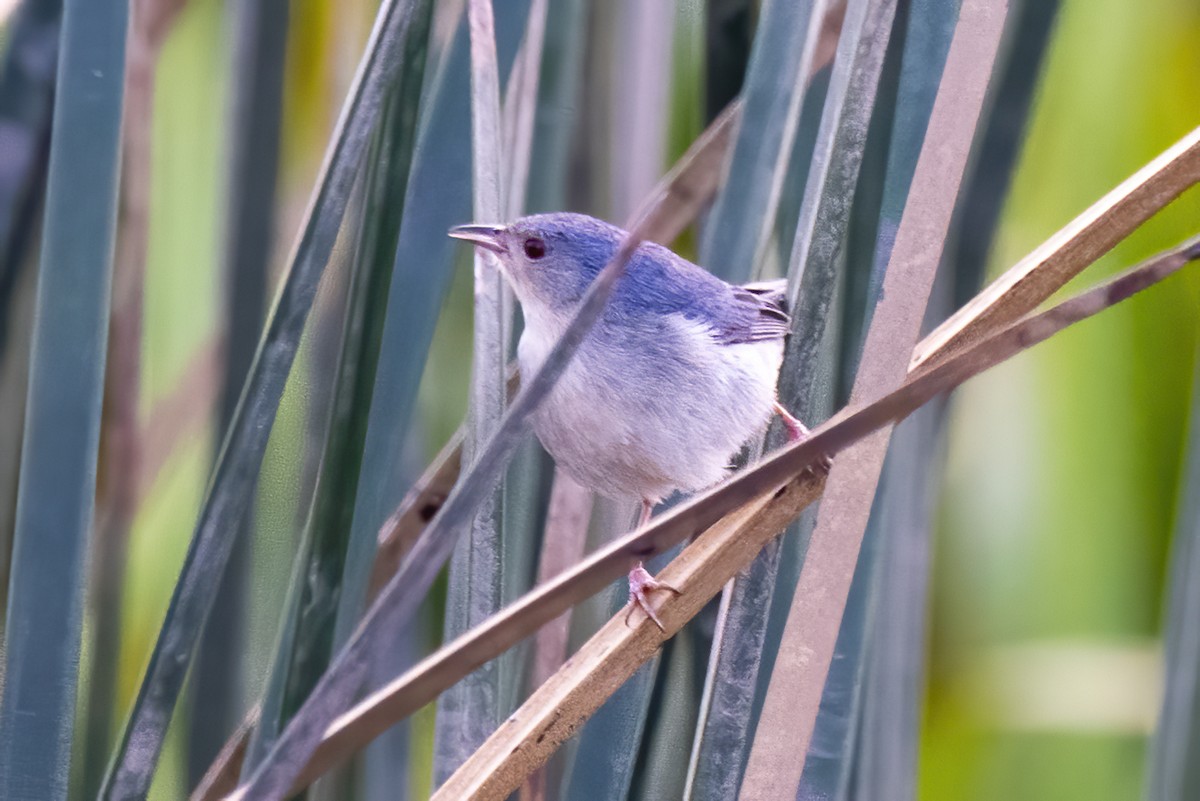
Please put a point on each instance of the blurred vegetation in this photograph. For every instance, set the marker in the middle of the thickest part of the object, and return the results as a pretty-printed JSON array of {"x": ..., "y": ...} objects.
[{"x": 1064, "y": 469}]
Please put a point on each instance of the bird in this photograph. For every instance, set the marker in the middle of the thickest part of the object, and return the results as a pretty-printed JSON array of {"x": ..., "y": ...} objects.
[{"x": 675, "y": 377}]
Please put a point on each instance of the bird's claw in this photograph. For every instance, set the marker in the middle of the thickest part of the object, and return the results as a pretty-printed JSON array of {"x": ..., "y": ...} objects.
[
  {"x": 801, "y": 433},
  {"x": 641, "y": 584}
]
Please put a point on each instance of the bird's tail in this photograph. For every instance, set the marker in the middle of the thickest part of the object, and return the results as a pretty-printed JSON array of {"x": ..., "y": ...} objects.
[{"x": 773, "y": 292}]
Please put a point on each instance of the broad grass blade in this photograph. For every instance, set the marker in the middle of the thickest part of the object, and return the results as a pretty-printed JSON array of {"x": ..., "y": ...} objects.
[
  {"x": 56, "y": 495},
  {"x": 470, "y": 709},
  {"x": 1172, "y": 771}
]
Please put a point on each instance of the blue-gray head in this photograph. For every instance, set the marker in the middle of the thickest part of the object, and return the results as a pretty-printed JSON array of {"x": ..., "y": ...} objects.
[{"x": 550, "y": 259}]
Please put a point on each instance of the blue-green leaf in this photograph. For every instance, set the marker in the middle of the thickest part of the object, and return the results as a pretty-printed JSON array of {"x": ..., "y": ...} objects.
[{"x": 56, "y": 496}]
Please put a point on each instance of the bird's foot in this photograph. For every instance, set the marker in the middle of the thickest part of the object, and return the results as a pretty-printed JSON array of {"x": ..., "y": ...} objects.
[{"x": 641, "y": 584}]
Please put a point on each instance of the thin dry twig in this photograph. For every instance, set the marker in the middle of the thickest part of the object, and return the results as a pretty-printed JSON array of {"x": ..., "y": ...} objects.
[{"x": 1061, "y": 257}]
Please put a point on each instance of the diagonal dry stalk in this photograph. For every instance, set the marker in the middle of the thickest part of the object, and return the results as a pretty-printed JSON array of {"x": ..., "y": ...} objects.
[{"x": 1061, "y": 257}]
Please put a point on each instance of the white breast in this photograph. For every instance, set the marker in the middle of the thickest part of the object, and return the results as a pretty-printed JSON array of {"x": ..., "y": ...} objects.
[{"x": 639, "y": 415}]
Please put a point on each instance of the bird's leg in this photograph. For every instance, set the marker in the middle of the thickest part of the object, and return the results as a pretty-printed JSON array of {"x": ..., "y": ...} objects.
[
  {"x": 647, "y": 510},
  {"x": 641, "y": 583},
  {"x": 797, "y": 431}
]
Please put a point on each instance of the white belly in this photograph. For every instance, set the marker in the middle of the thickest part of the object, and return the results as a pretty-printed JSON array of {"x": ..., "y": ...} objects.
[{"x": 637, "y": 418}]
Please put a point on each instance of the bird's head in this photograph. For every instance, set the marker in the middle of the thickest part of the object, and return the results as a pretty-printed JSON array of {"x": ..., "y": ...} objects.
[{"x": 550, "y": 259}]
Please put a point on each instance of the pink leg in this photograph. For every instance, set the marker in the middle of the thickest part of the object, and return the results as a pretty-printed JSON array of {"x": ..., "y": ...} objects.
[
  {"x": 797, "y": 431},
  {"x": 641, "y": 583},
  {"x": 647, "y": 509}
]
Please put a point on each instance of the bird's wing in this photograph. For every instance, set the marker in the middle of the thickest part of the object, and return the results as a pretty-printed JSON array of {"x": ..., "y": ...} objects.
[
  {"x": 757, "y": 313},
  {"x": 659, "y": 282}
]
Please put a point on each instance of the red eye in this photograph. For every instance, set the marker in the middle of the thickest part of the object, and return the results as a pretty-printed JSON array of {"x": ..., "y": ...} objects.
[{"x": 535, "y": 248}]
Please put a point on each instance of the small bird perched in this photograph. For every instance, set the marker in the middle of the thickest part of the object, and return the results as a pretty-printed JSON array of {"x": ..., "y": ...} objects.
[{"x": 675, "y": 377}]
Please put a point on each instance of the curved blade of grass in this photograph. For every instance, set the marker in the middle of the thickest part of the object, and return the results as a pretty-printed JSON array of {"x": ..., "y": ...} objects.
[
  {"x": 527, "y": 484},
  {"x": 259, "y": 32},
  {"x": 756, "y": 504},
  {"x": 232, "y": 482},
  {"x": 780, "y": 68},
  {"x": 56, "y": 496},
  {"x": 1172, "y": 771},
  {"x": 719, "y": 753},
  {"x": 26, "y": 101},
  {"x": 793, "y": 696},
  {"x": 317, "y": 581}
]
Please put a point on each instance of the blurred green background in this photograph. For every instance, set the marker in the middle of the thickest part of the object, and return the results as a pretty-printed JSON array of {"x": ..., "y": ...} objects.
[
  {"x": 1065, "y": 463},
  {"x": 1064, "y": 468}
]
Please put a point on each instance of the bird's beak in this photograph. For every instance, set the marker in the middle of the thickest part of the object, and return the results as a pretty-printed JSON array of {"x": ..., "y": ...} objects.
[{"x": 486, "y": 236}]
